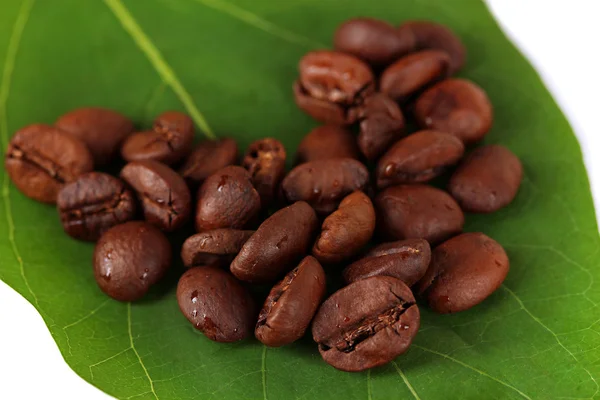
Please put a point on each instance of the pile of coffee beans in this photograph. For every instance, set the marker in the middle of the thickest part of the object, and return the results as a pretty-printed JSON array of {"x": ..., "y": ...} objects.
[{"x": 356, "y": 202}]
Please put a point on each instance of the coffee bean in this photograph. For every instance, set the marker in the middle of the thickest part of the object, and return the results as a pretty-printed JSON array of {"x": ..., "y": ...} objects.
[
  {"x": 169, "y": 141},
  {"x": 216, "y": 304},
  {"x": 375, "y": 41},
  {"x": 324, "y": 183},
  {"x": 464, "y": 271},
  {"x": 381, "y": 124},
  {"x": 94, "y": 203},
  {"x": 40, "y": 159},
  {"x": 456, "y": 106},
  {"x": 226, "y": 199},
  {"x": 163, "y": 194},
  {"x": 487, "y": 180},
  {"x": 366, "y": 324},
  {"x": 332, "y": 85},
  {"x": 406, "y": 260},
  {"x": 216, "y": 248},
  {"x": 265, "y": 160},
  {"x": 327, "y": 141},
  {"x": 209, "y": 157},
  {"x": 345, "y": 232},
  {"x": 129, "y": 258},
  {"x": 291, "y": 304},
  {"x": 419, "y": 157},
  {"x": 101, "y": 129},
  {"x": 277, "y": 245},
  {"x": 417, "y": 211}
]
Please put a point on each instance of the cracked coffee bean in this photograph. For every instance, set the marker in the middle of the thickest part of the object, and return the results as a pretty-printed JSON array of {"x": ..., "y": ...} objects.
[
  {"x": 207, "y": 158},
  {"x": 366, "y": 324},
  {"x": 327, "y": 141},
  {"x": 216, "y": 248},
  {"x": 94, "y": 203},
  {"x": 381, "y": 124},
  {"x": 130, "y": 258},
  {"x": 291, "y": 304},
  {"x": 265, "y": 160},
  {"x": 163, "y": 194},
  {"x": 40, "y": 159}
]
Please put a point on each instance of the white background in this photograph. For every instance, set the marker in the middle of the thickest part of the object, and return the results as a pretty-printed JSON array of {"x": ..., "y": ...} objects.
[{"x": 559, "y": 37}]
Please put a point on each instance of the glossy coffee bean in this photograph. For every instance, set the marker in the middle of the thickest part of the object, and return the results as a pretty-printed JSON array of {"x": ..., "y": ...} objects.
[
  {"x": 207, "y": 158},
  {"x": 366, "y": 324},
  {"x": 347, "y": 230},
  {"x": 487, "y": 180},
  {"x": 169, "y": 141},
  {"x": 226, "y": 199},
  {"x": 332, "y": 85},
  {"x": 406, "y": 260},
  {"x": 265, "y": 160},
  {"x": 327, "y": 141},
  {"x": 216, "y": 304},
  {"x": 464, "y": 271},
  {"x": 94, "y": 203},
  {"x": 324, "y": 183},
  {"x": 375, "y": 41},
  {"x": 101, "y": 129},
  {"x": 417, "y": 212},
  {"x": 419, "y": 157},
  {"x": 216, "y": 248},
  {"x": 455, "y": 106},
  {"x": 40, "y": 159},
  {"x": 277, "y": 245},
  {"x": 381, "y": 124},
  {"x": 130, "y": 258},
  {"x": 163, "y": 194},
  {"x": 291, "y": 304}
]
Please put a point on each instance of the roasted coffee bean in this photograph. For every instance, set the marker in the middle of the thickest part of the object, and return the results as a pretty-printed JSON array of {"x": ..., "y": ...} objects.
[
  {"x": 102, "y": 130},
  {"x": 324, "y": 183},
  {"x": 277, "y": 245},
  {"x": 345, "y": 232},
  {"x": 368, "y": 323},
  {"x": 94, "y": 203},
  {"x": 169, "y": 141},
  {"x": 375, "y": 41},
  {"x": 209, "y": 157},
  {"x": 332, "y": 85},
  {"x": 456, "y": 106},
  {"x": 419, "y": 157},
  {"x": 406, "y": 260},
  {"x": 464, "y": 271},
  {"x": 417, "y": 211},
  {"x": 381, "y": 124},
  {"x": 430, "y": 35},
  {"x": 216, "y": 304},
  {"x": 327, "y": 141},
  {"x": 129, "y": 258},
  {"x": 413, "y": 73},
  {"x": 216, "y": 248},
  {"x": 291, "y": 304},
  {"x": 265, "y": 160},
  {"x": 163, "y": 194},
  {"x": 226, "y": 199},
  {"x": 487, "y": 180},
  {"x": 40, "y": 159}
]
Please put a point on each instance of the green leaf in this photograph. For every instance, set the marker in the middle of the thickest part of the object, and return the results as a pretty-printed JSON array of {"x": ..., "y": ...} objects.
[{"x": 230, "y": 64}]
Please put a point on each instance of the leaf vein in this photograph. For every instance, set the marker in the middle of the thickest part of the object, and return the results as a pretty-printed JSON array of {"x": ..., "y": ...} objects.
[
  {"x": 405, "y": 379},
  {"x": 136, "y": 352},
  {"x": 263, "y": 370}
]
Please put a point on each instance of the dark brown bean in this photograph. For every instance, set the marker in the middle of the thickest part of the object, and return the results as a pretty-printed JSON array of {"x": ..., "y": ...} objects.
[
  {"x": 291, "y": 304},
  {"x": 40, "y": 159},
  {"x": 265, "y": 160},
  {"x": 327, "y": 141},
  {"x": 487, "y": 180},
  {"x": 464, "y": 271},
  {"x": 277, "y": 245},
  {"x": 216, "y": 248},
  {"x": 94, "y": 203},
  {"x": 163, "y": 194},
  {"x": 419, "y": 157},
  {"x": 417, "y": 211},
  {"x": 347, "y": 230},
  {"x": 226, "y": 199},
  {"x": 366, "y": 324},
  {"x": 406, "y": 260},
  {"x": 216, "y": 304},
  {"x": 129, "y": 258},
  {"x": 209, "y": 157}
]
